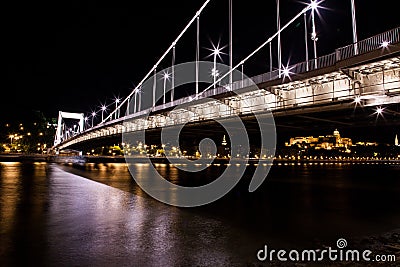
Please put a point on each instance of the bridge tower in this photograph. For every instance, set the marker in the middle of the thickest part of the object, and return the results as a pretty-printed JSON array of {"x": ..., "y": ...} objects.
[{"x": 67, "y": 115}]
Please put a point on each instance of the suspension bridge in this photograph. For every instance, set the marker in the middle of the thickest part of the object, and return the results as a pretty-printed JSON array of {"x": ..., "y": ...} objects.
[{"x": 360, "y": 79}]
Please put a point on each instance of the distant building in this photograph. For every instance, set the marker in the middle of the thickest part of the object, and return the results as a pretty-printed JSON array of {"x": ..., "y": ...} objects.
[
  {"x": 396, "y": 141},
  {"x": 367, "y": 144},
  {"x": 322, "y": 142},
  {"x": 224, "y": 143}
]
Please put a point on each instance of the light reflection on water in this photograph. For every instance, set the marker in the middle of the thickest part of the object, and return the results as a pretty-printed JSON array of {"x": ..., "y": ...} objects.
[{"x": 52, "y": 217}]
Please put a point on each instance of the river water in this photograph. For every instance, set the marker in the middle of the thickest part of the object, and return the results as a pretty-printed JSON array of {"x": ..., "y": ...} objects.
[{"x": 96, "y": 215}]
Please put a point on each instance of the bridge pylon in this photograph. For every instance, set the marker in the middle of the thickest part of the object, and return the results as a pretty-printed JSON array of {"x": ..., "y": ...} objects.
[{"x": 67, "y": 115}]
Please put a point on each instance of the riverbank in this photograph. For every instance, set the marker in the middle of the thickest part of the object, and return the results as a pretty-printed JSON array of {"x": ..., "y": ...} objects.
[
  {"x": 23, "y": 157},
  {"x": 164, "y": 160}
]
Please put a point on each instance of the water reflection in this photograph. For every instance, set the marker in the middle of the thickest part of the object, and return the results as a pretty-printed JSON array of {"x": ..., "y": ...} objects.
[
  {"x": 296, "y": 202},
  {"x": 123, "y": 228},
  {"x": 53, "y": 217},
  {"x": 23, "y": 207}
]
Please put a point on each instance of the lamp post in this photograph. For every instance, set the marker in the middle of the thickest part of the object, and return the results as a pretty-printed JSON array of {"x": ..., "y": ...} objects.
[
  {"x": 165, "y": 77},
  {"x": 93, "y": 115},
  {"x": 214, "y": 70},
  {"x": 116, "y": 107},
  {"x": 134, "y": 106},
  {"x": 103, "y": 108},
  {"x": 216, "y": 52}
]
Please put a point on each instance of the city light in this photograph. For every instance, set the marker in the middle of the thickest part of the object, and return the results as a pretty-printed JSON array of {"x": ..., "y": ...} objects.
[
  {"x": 314, "y": 5},
  {"x": 286, "y": 71},
  {"x": 166, "y": 76},
  {"x": 385, "y": 44}
]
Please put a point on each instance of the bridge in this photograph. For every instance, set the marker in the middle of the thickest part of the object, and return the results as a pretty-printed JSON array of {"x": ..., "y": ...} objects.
[{"x": 344, "y": 87}]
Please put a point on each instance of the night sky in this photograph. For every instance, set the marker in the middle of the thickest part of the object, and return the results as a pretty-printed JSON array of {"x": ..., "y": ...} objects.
[{"x": 74, "y": 55}]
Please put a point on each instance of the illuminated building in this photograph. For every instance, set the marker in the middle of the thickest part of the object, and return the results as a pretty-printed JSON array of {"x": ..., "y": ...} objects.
[{"x": 322, "y": 142}]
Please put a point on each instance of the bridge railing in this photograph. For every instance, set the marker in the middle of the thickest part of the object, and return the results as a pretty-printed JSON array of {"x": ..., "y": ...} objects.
[
  {"x": 365, "y": 46},
  {"x": 369, "y": 44}
]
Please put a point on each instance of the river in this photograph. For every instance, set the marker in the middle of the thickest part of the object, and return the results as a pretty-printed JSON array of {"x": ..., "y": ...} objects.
[{"x": 96, "y": 215}]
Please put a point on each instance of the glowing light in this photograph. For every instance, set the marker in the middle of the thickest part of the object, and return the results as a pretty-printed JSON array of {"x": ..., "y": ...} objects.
[
  {"x": 166, "y": 76},
  {"x": 357, "y": 100},
  {"x": 86, "y": 118},
  {"x": 314, "y": 5},
  {"x": 286, "y": 71},
  {"x": 117, "y": 100},
  {"x": 379, "y": 110},
  {"x": 385, "y": 44},
  {"x": 216, "y": 51},
  {"x": 93, "y": 114},
  {"x": 103, "y": 108}
]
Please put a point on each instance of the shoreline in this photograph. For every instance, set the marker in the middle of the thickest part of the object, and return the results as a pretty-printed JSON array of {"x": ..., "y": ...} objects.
[{"x": 164, "y": 160}]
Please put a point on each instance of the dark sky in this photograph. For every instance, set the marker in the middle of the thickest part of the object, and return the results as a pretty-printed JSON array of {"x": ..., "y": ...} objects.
[{"x": 72, "y": 55}]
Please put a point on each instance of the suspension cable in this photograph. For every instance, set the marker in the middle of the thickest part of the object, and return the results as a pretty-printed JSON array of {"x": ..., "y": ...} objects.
[{"x": 163, "y": 56}]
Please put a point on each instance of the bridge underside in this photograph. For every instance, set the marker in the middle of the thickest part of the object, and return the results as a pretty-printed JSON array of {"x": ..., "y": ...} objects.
[{"x": 350, "y": 118}]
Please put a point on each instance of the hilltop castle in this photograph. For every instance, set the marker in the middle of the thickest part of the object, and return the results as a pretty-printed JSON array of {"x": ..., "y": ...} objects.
[{"x": 322, "y": 142}]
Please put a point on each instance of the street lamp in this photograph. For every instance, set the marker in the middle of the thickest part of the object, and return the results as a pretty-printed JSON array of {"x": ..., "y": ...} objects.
[
  {"x": 103, "y": 108},
  {"x": 86, "y": 119},
  {"x": 214, "y": 70},
  {"x": 385, "y": 44},
  {"x": 117, "y": 100},
  {"x": 216, "y": 51},
  {"x": 93, "y": 115},
  {"x": 286, "y": 71},
  {"x": 379, "y": 110},
  {"x": 166, "y": 77}
]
